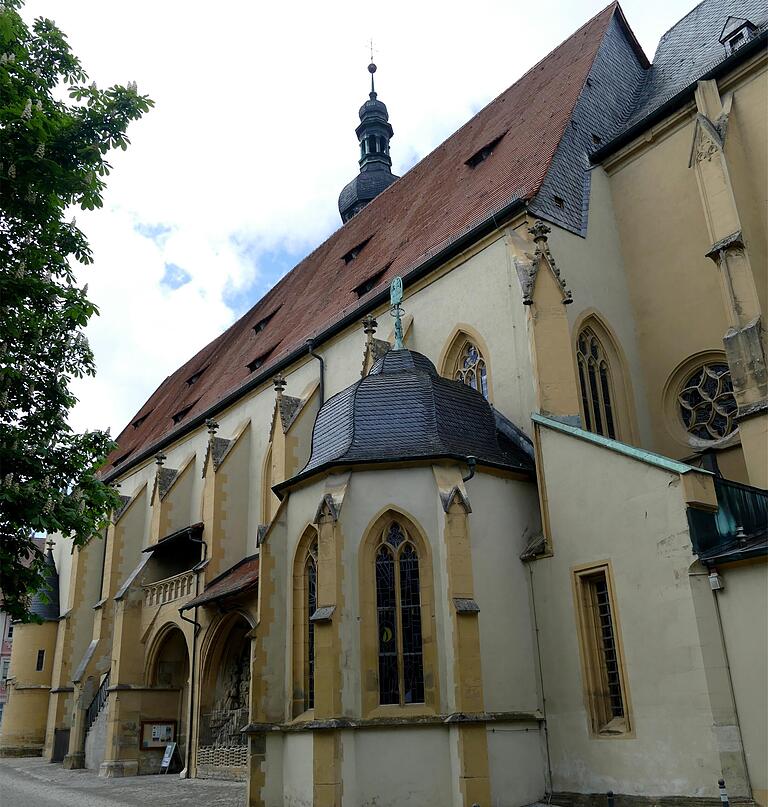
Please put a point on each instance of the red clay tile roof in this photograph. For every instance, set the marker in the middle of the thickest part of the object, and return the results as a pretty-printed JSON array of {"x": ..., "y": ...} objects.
[
  {"x": 433, "y": 203},
  {"x": 239, "y": 578}
]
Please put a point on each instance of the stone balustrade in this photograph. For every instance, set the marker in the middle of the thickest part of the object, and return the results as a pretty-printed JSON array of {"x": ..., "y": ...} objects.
[{"x": 172, "y": 588}]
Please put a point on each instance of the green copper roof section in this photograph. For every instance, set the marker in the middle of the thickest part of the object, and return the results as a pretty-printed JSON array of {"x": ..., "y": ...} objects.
[{"x": 640, "y": 454}]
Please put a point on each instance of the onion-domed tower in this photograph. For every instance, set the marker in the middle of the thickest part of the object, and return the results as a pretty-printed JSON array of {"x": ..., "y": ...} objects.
[{"x": 374, "y": 134}]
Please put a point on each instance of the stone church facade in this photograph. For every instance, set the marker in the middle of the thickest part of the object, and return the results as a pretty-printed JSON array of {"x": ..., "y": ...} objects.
[{"x": 505, "y": 546}]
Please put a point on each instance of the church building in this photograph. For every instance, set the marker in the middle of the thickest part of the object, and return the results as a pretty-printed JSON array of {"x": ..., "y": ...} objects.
[{"x": 470, "y": 509}]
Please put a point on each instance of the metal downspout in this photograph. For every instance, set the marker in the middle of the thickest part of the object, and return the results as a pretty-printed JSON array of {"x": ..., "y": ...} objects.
[
  {"x": 541, "y": 685},
  {"x": 311, "y": 350},
  {"x": 185, "y": 774}
]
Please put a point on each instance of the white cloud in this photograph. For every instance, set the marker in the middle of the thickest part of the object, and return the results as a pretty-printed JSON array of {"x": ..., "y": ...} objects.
[{"x": 252, "y": 138}]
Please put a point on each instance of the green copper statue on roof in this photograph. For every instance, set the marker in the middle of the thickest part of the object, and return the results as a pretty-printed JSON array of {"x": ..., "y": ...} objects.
[{"x": 395, "y": 298}]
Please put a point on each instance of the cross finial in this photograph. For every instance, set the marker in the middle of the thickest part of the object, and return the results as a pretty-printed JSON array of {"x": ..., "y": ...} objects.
[
  {"x": 395, "y": 298},
  {"x": 50, "y": 543},
  {"x": 160, "y": 458},
  {"x": 212, "y": 427}
]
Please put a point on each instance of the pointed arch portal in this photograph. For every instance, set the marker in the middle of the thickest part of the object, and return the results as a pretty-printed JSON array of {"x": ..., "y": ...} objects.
[{"x": 222, "y": 748}]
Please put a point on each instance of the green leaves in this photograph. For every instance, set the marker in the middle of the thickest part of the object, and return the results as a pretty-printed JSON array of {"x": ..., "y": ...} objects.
[{"x": 52, "y": 157}]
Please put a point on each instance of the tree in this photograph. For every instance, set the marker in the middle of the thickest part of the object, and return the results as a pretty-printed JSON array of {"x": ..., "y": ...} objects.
[{"x": 55, "y": 132}]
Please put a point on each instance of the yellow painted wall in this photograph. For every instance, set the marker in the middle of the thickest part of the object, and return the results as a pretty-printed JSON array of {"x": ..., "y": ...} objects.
[
  {"x": 743, "y": 604},
  {"x": 674, "y": 288},
  {"x": 641, "y": 528}
]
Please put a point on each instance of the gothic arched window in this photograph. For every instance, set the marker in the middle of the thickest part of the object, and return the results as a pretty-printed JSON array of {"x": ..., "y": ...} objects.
[
  {"x": 310, "y": 587},
  {"x": 471, "y": 368},
  {"x": 595, "y": 384},
  {"x": 398, "y": 608}
]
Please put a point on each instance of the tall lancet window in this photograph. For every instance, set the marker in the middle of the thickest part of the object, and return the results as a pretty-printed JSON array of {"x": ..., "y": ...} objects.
[
  {"x": 398, "y": 606},
  {"x": 596, "y": 384},
  {"x": 471, "y": 368},
  {"x": 310, "y": 576}
]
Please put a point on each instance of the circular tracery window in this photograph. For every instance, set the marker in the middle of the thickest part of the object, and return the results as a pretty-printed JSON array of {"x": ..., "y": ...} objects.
[{"x": 707, "y": 404}]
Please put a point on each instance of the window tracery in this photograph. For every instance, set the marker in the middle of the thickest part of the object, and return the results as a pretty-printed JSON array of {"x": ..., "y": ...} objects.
[
  {"x": 310, "y": 572},
  {"x": 398, "y": 607},
  {"x": 595, "y": 384},
  {"x": 471, "y": 368},
  {"x": 707, "y": 403}
]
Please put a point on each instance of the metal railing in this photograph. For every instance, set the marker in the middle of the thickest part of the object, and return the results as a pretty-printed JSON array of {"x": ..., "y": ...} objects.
[
  {"x": 170, "y": 589},
  {"x": 742, "y": 512},
  {"x": 97, "y": 704}
]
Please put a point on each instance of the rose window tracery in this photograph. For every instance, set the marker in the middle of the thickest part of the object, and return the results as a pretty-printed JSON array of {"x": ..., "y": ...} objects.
[{"x": 707, "y": 404}]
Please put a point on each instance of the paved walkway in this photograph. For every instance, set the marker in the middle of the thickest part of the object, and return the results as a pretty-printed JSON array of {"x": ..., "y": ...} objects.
[{"x": 32, "y": 782}]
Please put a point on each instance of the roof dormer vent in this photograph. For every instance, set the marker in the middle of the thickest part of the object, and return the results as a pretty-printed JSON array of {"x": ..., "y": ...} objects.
[{"x": 736, "y": 33}]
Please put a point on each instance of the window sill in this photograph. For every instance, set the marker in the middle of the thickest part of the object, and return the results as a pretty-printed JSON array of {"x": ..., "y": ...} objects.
[
  {"x": 615, "y": 729},
  {"x": 395, "y": 710}
]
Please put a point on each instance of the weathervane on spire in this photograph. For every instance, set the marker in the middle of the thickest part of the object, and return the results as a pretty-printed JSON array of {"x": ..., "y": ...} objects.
[{"x": 395, "y": 298}]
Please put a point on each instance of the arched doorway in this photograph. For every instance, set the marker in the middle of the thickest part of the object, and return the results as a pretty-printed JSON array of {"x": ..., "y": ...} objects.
[
  {"x": 169, "y": 673},
  {"x": 222, "y": 749}
]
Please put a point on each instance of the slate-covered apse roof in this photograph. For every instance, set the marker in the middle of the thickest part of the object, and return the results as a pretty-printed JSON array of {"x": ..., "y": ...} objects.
[{"x": 404, "y": 411}]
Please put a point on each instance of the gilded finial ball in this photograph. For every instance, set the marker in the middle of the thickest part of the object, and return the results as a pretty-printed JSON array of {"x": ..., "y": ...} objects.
[{"x": 371, "y": 68}]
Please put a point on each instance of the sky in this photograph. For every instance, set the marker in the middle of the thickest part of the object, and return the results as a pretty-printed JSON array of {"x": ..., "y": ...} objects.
[{"x": 234, "y": 176}]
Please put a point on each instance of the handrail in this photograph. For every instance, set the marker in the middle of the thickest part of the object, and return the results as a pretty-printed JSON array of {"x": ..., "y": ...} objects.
[
  {"x": 96, "y": 705},
  {"x": 169, "y": 589}
]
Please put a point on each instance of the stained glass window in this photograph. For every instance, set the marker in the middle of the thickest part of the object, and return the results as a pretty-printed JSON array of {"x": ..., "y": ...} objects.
[
  {"x": 398, "y": 606},
  {"x": 471, "y": 369},
  {"x": 707, "y": 403},
  {"x": 311, "y": 589},
  {"x": 595, "y": 384}
]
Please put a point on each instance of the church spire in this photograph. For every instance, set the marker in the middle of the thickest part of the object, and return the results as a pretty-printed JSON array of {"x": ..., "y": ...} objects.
[{"x": 373, "y": 135}]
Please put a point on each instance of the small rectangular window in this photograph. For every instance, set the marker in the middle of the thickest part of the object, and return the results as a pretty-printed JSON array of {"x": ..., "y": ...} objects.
[
  {"x": 605, "y": 685},
  {"x": 10, "y": 631},
  {"x": 40, "y": 660},
  {"x": 6, "y": 667}
]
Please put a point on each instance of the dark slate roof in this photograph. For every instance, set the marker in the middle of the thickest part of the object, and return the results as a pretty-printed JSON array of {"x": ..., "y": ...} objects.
[
  {"x": 616, "y": 76},
  {"x": 691, "y": 48},
  {"x": 365, "y": 187},
  {"x": 433, "y": 206},
  {"x": 403, "y": 410},
  {"x": 242, "y": 577},
  {"x": 49, "y": 610}
]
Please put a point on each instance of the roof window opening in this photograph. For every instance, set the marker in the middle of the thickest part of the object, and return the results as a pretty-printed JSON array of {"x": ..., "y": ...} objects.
[
  {"x": 350, "y": 256},
  {"x": 259, "y": 361},
  {"x": 182, "y": 413},
  {"x": 559, "y": 202},
  {"x": 264, "y": 321},
  {"x": 371, "y": 283},
  {"x": 596, "y": 139},
  {"x": 121, "y": 458},
  {"x": 484, "y": 153},
  {"x": 195, "y": 376},
  {"x": 139, "y": 420}
]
